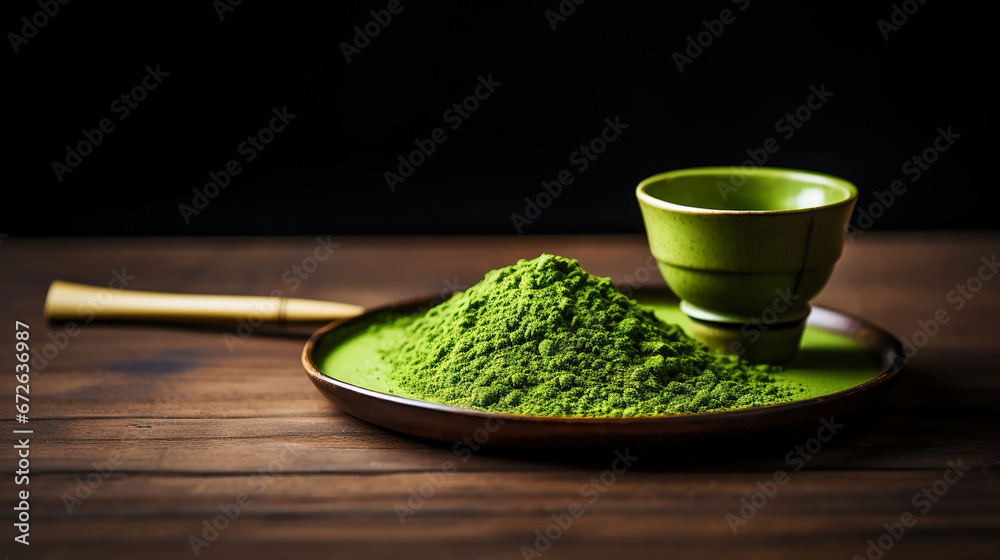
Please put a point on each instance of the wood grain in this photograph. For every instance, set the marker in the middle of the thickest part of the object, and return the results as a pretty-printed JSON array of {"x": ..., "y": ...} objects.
[{"x": 191, "y": 422}]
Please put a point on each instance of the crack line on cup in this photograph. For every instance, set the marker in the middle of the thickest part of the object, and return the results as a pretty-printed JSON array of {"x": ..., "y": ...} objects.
[{"x": 805, "y": 256}]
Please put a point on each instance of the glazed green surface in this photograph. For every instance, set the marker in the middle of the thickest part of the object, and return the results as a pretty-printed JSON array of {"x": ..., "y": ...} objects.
[
  {"x": 828, "y": 362},
  {"x": 757, "y": 189},
  {"x": 727, "y": 241}
]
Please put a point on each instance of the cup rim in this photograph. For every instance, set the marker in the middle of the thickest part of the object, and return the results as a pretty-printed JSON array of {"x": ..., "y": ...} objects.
[{"x": 829, "y": 180}]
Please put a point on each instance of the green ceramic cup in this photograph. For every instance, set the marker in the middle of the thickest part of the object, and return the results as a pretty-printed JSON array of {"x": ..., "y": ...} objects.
[{"x": 747, "y": 249}]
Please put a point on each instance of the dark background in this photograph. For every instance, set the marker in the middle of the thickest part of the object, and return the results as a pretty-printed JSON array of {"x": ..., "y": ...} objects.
[{"x": 324, "y": 173}]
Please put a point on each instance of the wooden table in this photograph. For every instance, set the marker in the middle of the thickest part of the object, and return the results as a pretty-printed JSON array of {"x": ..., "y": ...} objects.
[{"x": 167, "y": 442}]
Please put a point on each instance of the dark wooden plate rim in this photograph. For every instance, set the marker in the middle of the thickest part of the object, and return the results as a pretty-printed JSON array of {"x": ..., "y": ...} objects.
[{"x": 424, "y": 419}]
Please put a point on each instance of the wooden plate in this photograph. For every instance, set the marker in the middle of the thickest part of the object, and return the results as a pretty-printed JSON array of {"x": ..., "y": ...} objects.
[{"x": 847, "y": 366}]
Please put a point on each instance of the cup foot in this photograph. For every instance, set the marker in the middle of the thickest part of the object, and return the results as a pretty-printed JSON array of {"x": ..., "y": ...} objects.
[{"x": 776, "y": 343}]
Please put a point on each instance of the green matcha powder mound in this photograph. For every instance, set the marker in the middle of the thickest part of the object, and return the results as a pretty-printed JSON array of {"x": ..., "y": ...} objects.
[{"x": 544, "y": 337}]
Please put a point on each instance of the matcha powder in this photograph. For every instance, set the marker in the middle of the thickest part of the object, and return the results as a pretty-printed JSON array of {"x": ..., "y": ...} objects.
[{"x": 544, "y": 337}]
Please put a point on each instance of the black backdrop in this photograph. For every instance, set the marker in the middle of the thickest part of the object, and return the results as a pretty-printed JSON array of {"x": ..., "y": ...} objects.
[{"x": 221, "y": 78}]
